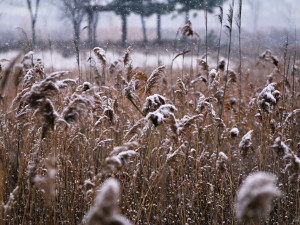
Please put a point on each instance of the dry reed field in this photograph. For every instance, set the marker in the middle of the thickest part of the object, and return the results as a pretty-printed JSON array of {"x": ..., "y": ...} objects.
[{"x": 115, "y": 144}]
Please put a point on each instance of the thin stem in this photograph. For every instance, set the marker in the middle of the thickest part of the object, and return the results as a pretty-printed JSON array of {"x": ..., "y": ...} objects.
[{"x": 239, "y": 22}]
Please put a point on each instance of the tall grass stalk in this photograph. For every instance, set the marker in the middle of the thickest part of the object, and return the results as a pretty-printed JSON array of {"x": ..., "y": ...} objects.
[
  {"x": 239, "y": 25},
  {"x": 76, "y": 44},
  {"x": 206, "y": 45},
  {"x": 285, "y": 55},
  {"x": 229, "y": 28},
  {"x": 220, "y": 17}
]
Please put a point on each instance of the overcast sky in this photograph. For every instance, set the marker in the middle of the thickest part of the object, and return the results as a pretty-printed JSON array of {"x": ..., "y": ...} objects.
[{"x": 265, "y": 13}]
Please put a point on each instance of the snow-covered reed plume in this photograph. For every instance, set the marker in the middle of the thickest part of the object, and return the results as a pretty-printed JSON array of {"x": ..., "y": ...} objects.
[
  {"x": 268, "y": 97},
  {"x": 186, "y": 123},
  {"x": 29, "y": 79},
  {"x": 213, "y": 80},
  {"x": 129, "y": 89},
  {"x": 165, "y": 113},
  {"x": 105, "y": 209},
  {"x": 155, "y": 76},
  {"x": 135, "y": 129},
  {"x": 46, "y": 88},
  {"x": 152, "y": 103},
  {"x": 211, "y": 76},
  {"x": 48, "y": 182},
  {"x": 188, "y": 30},
  {"x": 232, "y": 76},
  {"x": 234, "y": 132},
  {"x": 291, "y": 119},
  {"x": 293, "y": 167},
  {"x": 120, "y": 156},
  {"x": 204, "y": 104},
  {"x": 221, "y": 65},
  {"x": 38, "y": 99},
  {"x": 268, "y": 57},
  {"x": 175, "y": 156},
  {"x": 76, "y": 109},
  {"x": 100, "y": 53},
  {"x": 246, "y": 143},
  {"x": 280, "y": 148},
  {"x": 11, "y": 200},
  {"x": 255, "y": 196},
  {"x": 80, "y": 103},
  {"x": 127, "y": 62},
  {"x": 126, "y": 58},
  {"x": 221, "y": 162}
]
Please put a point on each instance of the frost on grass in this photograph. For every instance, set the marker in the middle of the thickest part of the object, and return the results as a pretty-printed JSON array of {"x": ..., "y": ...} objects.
[
  {"x": 255, "y": 196},
  {"x": 105, "y": 209},
  {"x": 246, "y": 144},
  {"x": 268, "y": 97}
]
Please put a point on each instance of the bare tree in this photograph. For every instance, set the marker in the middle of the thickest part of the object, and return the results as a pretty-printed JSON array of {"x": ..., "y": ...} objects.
[
  {"x": 33, "y": 16},
  {"x": 74, "y": 11},
  {"x": 92, "y": 10}
]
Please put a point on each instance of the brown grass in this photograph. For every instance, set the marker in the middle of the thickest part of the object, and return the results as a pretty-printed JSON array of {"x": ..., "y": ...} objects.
[{"x": 167, "y": 166}]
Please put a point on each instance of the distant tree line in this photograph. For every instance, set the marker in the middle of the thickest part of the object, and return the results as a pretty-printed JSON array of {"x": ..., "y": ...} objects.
[{"x": 77, "y": 10}]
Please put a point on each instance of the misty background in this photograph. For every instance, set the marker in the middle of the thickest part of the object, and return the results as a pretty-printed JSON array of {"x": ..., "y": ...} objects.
[{"x": 265, "y": 24}]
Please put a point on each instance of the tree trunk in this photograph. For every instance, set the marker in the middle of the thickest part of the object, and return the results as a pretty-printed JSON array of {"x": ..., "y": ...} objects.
[
  {"x": 33, "y": 17},
  {"x": 144, "y": 29},
  {"x": 90, "y": 28},
  {"x": 95, "y": 23},
  {"x": 76, "y": 43},
  {"x": 76, "y": 32},
  {"x": 124, "y": 29},
  {"x": 33, "y": 33},
  {"x": 158, "y": 27}
]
